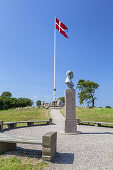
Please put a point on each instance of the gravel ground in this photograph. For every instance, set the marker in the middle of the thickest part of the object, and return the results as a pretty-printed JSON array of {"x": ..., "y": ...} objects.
[{"x": 91, "y": 149}]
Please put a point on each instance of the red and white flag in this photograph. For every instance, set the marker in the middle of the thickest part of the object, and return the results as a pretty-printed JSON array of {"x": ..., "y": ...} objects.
[{"x": 61, "y": 28}]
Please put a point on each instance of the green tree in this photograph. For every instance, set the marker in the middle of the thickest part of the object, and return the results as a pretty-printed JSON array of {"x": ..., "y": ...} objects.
[
  {"x": 38, "y": 103},
  {"x": 62, "y": 98},
  {"x": 7, "y": 101},
  {"x": 1, "y": 103},
  {"x": 4, "y": 103},
  {"x": 13, "y": 102},
  {"x": 6, "y": 94},
  {"x": 109, "y": 107},
  {"x": 23, "y": 102},
  {"x": 87, "y": 91}
]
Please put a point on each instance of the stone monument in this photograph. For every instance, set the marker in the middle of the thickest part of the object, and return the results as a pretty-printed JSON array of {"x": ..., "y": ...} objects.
[
  {"x": 70, "y": 105},
  {"x": 42, "y": 103},
  {"x": 59, "y": 103}
]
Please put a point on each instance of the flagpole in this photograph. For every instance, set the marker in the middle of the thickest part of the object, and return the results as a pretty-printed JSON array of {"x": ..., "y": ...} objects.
[{"x": 54, "y": 90}]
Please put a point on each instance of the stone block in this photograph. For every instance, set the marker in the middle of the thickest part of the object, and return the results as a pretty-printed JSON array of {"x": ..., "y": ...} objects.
[
  {"x": 59, "y": 103},
  {"x": 71, "y": 126},
  {"x": 5, "y": 147},
  {"x": 49, "y": 122},
  {"x": 47, "y": 151},
  {"x": 1, "y": 125},
  {"x": 30, "y": 123},
  {"x": 11, "y": 125},
  {"x": 49, "y": 145},
  {"x": 97, "y": 124}
]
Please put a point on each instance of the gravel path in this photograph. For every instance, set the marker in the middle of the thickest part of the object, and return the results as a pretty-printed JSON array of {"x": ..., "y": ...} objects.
[{"x": 91, "y": 149}]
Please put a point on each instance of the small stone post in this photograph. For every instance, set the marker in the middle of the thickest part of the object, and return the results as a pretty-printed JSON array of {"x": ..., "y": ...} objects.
[
  {"x": 49, "y": 121},
  {"x": 70, "y": 106},
  {"x": 49, "y": 146}
]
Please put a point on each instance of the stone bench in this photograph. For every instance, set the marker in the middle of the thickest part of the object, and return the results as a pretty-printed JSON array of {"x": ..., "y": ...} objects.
[
  {"x": 97, "y": 124},
  {"x": 12, "y": 125},
  {"x": 48, "y": 142}
]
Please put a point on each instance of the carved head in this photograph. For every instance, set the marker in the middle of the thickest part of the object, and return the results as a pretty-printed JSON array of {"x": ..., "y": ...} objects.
[
  {"x": 69, "y": 74},
  {"x": 68, "y": 81}
]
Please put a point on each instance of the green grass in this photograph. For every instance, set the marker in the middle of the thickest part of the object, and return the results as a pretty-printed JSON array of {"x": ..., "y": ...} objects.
[
  {"x": 15, "y": 163},
  {"x": 95, "y": 114},
  {"x": 13, "y": 115}
]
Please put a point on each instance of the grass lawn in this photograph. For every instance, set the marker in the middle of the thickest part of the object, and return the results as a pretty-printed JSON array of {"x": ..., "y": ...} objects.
[
  {"x": 15, "y": 163},
  {"x": 95, "y": 114},
  {"x": 24, "y": 114},
  {"x": 12, "y": 115}
]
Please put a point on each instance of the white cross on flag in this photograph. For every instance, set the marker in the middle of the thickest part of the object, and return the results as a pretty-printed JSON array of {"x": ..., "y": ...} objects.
[{"x": 61, "y": 28}]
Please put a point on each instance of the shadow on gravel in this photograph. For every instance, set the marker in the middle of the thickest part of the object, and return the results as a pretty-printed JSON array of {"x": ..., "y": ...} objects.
[
  {"x": 30, "y": 153},
  {"x": 63, "y": 158},
  {"x": 95, "y": 133}
]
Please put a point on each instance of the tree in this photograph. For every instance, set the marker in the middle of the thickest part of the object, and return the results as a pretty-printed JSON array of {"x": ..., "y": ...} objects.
[
  {"x": 62, "y": 98},
  {"x": 109, "y": 107},
  {"x": 13, "y": 102},
  {"x": 4, "y": 103},
  {"x": 1, "y": 103},
  {"x": 23, "y": 102},
  {"x": 38, "y": 103},
  {"x": 6, "y": 94},
  {"x": 87, "y": 91},
  {"x": 7, "y": 101}
]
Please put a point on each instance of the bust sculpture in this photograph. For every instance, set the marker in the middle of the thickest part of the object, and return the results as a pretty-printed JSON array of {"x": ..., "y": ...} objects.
[{"x": 68, "y": 80}]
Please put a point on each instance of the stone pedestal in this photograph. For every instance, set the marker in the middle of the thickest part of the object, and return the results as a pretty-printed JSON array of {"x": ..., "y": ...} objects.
[{"x": 70, "y": 112}]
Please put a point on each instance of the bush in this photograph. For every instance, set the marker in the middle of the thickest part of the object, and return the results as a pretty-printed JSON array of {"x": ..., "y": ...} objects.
[{"x": 108, "y": 107}]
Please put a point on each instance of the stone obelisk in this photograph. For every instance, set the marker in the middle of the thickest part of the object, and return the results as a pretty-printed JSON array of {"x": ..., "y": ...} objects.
[{"x": 70, "y": 105}]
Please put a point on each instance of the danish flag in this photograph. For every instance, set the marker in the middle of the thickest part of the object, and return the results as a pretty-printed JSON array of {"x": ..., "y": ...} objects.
[{"x": 61, "y": 28}]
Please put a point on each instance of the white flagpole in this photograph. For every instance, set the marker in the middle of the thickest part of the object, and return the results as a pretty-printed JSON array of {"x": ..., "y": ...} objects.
[{"x": 54, "y": 90}]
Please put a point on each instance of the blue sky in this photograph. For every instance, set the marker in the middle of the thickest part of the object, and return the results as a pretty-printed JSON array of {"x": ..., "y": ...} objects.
[{"x": 26, "y": 47}]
